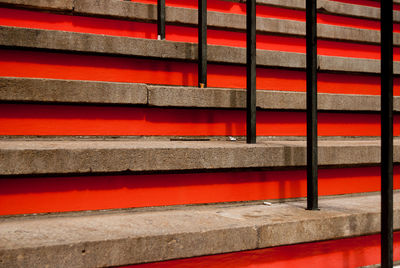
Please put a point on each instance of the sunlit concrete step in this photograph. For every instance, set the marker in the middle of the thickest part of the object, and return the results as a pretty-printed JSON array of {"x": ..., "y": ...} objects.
[
  {"x": 129, "y": 237},
  {"x": 91, "y": 92},
  {"x": 91, "y": 43},
  {"x": 188, "y": 16},
  {"x": 324, "y": 6},
  {"x": 20, "y": 157}
]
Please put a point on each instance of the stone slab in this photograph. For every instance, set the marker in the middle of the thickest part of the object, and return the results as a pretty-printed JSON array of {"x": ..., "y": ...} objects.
[
  {"x": 131, "y": 237},
  {"x": 329, "y": 7},
  {"x": 14, "y": 89},
  {"x": 59, "y": 5},
  {"x": 186, "y": 16},
  {"x": 19, "y": 157},
  {"x": 134, "y": 9},
  {"x": 170, "y": 96},
  {"x": 70, "y": 91},
  {"x": 91, "y": 43}
]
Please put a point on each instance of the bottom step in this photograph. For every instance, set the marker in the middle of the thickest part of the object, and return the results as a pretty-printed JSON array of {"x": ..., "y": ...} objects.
[
  {"x": 355, "y": 252},
  {"x": 117, "y": 238}
]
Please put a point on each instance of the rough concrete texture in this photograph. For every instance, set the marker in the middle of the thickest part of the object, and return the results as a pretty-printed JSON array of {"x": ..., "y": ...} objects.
[
  {"x": 81, "y": 42},
  {"x": 81, "y": 156},
  {"x": 266, "y": 99},
  {"x": 174, "y": 15},
  {"x": 342, "y": 63},
  {"x": 116, "y": 8},
  {"x": 329, "y": 7},
  {"x": 140, "y": 11},
  {"x": 72, "y": 91},
  {"x": 60, "y": 5},
  {"x": 50, "y": 90},
  {"x": 122, "y": 238},
  {"x": 91, "y": 43}
]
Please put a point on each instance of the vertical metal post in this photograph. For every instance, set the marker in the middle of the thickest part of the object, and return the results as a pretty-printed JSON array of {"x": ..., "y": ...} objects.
[
  {"x": 202, "y": 41},
  {"x": 311, "y": 75},
  {"x": 387, "y": 133},
  {"x": 251, "y": 71},
  {"x": 161, "y": 19}
]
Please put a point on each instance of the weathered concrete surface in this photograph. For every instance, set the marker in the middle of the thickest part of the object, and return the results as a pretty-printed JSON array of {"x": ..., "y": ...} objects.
[
  {"x": 342, "y": 63},
  {"x": 122, "y": 238},
  {"x": 72, "y": 91},
  {"x": 52, "y": 90},
  {"x": 266, "y": 99},
  {"x": 60, "y": 5},
  {"x": 135, "y": 10},
  {"x": 91, "y": 43},
  {"x": 57, "y": 157},
  {"x": 139, "y": 11},
  {"x": 326, "y": 6}
]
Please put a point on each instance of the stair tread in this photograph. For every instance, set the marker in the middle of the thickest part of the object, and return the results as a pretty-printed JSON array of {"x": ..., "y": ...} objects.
[
  {"x": 142, "y": 11},
  {"x": 128, "y": 46},
  {"x": 127, "y": 237},
  {"x": 77, "y": 91},
  {"x": 19, "y": 157}
]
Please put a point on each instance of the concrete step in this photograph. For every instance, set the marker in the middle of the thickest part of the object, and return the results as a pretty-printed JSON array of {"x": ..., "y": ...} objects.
[
  {"x": 328, "y": 7},
  {"x": 62, "y": 5},
  {"x": 102, "y": 44},
  {"x": 223, "y": 21},
  {"x": 90, "y": 92},
  {"x": 186, "y": 16},
  {"x": 129, "y": 237},
  {"x": 19, "y": 157},
  {"x": 324, "y": 6},
  {"x": 236, "y": 22}
]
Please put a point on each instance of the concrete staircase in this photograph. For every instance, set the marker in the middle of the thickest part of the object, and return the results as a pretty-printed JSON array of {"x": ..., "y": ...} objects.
[{"x": 109, "y": 156}]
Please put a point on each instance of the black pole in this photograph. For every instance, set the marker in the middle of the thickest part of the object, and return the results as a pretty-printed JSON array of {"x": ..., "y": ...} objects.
[
  {"x": 202, "y": 41},
  {"x": 312, "y": 135},
  {"x": 251, "y": 71},
  {"x": 161, "y": 19},
  {"x": 387, "y": 133}
]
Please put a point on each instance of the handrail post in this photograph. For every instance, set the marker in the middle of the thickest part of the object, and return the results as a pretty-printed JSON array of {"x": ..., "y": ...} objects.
[
  {"x": 311, "y": 77},
  {"x": 202, "y": 43},
  {"x": 160, "y": 19},
  {"x": 251, "y": 71},
  {"x": 387, "y": 133}
]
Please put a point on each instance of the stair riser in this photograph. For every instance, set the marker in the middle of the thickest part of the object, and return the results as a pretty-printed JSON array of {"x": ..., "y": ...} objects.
[
  {"x": 18, "y": 63},
  {"x": 59, "y": 194},
  {"x": 36, "y": 119}
]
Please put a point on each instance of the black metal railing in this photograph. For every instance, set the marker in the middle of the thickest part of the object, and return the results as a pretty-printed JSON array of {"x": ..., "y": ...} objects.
[
  {"x": 387, "y": 133},
  {"x": 251, "y": 71},
  {"x": 311, "y": 81},
  {"x": 202, "y": 41},
  {"x": 161, "y": 19}
]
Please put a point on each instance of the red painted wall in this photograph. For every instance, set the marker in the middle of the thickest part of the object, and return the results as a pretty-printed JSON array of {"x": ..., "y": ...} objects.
[
  {"x": 346, "y": 253},
  {"x": 58, "y": 194},
  {"x": 35, "y": 119}
]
